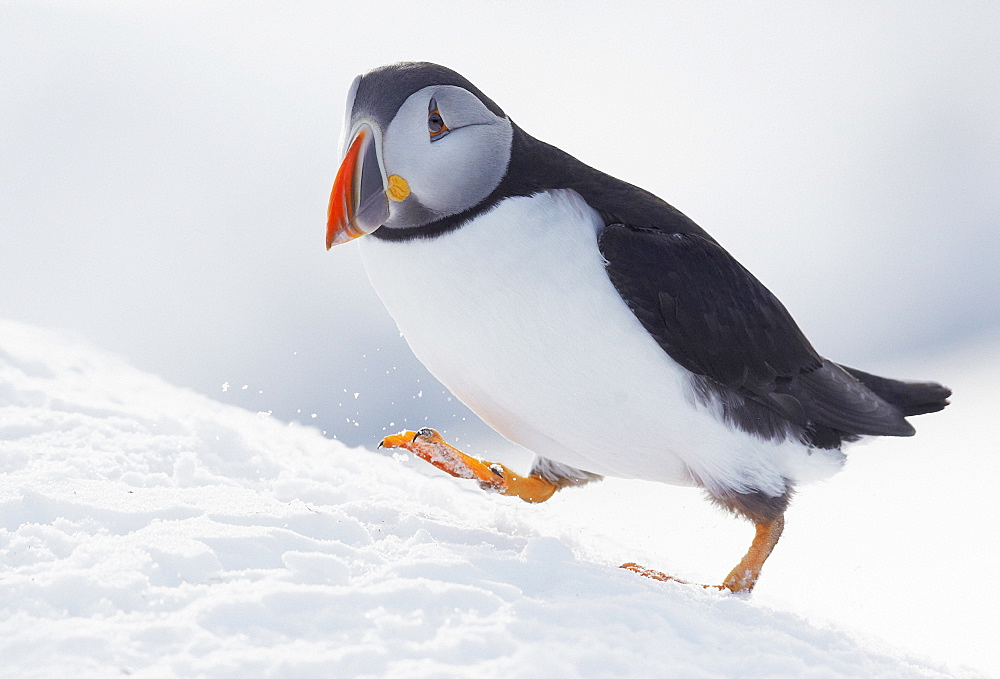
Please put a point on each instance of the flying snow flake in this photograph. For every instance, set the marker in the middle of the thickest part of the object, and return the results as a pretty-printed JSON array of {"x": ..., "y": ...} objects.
[{"x": 225, "y": 387}]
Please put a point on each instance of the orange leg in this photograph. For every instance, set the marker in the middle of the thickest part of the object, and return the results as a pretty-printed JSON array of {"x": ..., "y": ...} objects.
[
  {"x": 744, "y": 576},
  {"x": 428, "y": 445}
]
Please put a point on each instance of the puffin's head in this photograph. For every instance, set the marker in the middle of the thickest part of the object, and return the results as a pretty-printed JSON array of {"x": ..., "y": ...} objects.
[{"x": 421, "y": 143}]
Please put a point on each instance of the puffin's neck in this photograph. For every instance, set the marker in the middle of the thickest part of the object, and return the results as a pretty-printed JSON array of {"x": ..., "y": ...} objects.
[{"x": 535, "y": 167}]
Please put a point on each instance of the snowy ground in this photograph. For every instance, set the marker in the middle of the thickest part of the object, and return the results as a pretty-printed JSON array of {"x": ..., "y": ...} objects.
[{"x": 149, "y": 531}]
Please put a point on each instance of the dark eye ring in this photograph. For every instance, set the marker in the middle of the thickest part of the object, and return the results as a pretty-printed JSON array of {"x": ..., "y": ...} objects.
[{"x": 436, "y": 126}]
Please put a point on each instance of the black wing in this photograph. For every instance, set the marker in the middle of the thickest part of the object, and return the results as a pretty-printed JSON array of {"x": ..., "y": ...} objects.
[{"x": 715, "y": 319}]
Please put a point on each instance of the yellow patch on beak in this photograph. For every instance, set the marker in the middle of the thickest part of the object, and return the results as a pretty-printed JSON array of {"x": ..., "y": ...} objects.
[{"x": 398, "y": 188}]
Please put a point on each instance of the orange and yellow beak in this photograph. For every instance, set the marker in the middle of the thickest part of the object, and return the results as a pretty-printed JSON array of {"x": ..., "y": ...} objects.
[{"x": 358, "y": 201}]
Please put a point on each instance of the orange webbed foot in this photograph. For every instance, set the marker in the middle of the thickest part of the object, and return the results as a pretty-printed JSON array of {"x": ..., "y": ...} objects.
[
  {"x": 650, "y": 573},
  {"x": 662, "y": 577},
  {"x": 428, "y": 445}
]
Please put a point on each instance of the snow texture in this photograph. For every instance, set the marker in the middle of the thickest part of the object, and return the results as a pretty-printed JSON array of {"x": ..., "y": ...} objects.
[{"x": 149, "y": 531}]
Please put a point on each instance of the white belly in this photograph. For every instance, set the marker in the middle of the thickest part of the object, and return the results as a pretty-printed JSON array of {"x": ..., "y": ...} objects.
[{"x": 517, "y": 317}]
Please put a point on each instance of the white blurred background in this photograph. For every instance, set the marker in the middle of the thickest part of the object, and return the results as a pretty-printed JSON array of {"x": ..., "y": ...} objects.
[{"x": 165, "y": 168}]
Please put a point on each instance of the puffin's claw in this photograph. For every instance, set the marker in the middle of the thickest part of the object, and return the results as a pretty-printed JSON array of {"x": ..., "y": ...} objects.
[{"x": 428, "y": 445}]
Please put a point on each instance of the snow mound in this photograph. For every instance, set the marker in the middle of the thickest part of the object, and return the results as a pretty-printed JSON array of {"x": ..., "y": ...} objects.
[{"x": 149, "y": 531}]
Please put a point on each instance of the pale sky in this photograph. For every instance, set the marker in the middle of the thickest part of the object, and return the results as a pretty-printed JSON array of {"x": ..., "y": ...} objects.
[{"x": 165, "y": 169}]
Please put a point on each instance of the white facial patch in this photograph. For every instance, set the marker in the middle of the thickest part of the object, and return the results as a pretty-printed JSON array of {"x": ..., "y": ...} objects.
[{"x": 456, "y": 170}]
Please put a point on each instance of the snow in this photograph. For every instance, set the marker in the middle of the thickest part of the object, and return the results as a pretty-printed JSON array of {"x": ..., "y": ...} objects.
[{"x": 149, "y": 531}]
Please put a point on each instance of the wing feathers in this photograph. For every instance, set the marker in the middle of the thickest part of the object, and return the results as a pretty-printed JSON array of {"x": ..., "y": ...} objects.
[{"x": 714, "y": 318}]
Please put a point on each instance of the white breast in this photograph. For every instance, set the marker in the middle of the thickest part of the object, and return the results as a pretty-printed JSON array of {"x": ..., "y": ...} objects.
[{"x": 515, "y": 314}]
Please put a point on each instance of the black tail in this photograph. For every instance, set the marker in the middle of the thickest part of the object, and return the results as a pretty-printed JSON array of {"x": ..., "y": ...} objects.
[{"x": 913, "y": 398}]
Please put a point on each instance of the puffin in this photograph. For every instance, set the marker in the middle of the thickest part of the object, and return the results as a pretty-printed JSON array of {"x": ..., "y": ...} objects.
[{"x": 584, "y": 318}]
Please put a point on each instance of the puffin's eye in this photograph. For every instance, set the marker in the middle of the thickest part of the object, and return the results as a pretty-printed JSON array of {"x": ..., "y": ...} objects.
[{"x": 435, "y": 123}]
